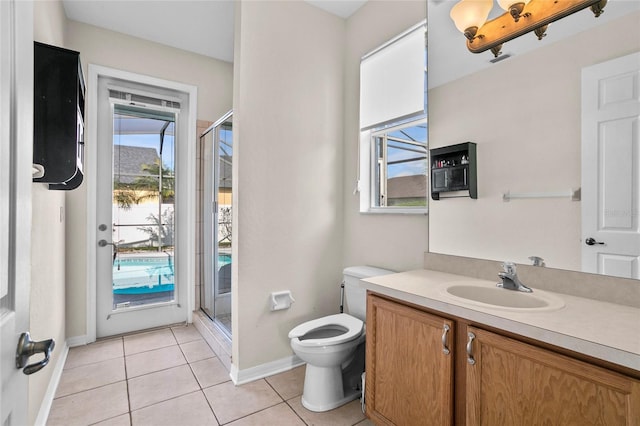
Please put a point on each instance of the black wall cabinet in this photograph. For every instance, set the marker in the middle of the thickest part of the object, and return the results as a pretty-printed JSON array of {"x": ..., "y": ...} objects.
[
  {"x": 454, "y": 168},
  {"x": 58, "y": 121}
]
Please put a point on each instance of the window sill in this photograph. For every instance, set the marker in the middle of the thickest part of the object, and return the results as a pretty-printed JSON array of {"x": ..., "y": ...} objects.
[{"x": 424, "y": 212}]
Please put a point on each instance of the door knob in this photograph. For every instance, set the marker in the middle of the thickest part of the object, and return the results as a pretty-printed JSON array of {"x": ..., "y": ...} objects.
[
  {"x": 27, "y": 348},
  {"x": 590, "y": 241}
]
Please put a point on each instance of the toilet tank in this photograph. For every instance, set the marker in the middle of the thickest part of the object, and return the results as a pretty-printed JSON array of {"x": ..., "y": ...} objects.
[{"x": 355, "y": 296}]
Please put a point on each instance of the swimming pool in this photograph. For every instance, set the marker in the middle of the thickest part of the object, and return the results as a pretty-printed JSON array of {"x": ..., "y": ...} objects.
[{"x": 148, "y": 274}]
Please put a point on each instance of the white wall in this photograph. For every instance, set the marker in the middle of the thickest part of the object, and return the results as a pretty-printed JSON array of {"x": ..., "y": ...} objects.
[
  {"x": 47, "y": 306},
  {"x": 288, "y": 119},
  {"x": 102, "y": 47},
  {"x": 529, "y": 140},
  {"x": 396, "y": 242}
]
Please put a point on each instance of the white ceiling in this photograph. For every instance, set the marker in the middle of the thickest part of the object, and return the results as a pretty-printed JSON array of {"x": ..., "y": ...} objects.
[{"x": 203, "y": 27}]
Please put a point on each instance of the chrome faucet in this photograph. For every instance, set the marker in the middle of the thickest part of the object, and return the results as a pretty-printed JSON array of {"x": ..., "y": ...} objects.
[{"x": 510, "y": 280}]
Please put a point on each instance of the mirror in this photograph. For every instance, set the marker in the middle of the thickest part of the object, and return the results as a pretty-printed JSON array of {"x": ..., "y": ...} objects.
[{"x": 524, "y": 114}]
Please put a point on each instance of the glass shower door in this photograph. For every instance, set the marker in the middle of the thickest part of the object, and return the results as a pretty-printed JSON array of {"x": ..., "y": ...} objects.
[{"x": 217, "y": 186}]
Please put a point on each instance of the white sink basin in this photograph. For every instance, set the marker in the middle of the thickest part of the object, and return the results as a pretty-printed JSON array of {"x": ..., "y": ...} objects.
[{"x": 495, "y": 297}]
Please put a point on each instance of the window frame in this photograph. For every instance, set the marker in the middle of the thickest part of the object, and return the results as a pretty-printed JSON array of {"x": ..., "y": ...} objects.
[{"x": 367, "y": 182}]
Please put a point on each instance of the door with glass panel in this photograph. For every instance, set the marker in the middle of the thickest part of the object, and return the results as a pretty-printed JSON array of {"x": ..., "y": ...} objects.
[
  {"x": 136, "y": 260},
  {"x": 217, "y": 188}
]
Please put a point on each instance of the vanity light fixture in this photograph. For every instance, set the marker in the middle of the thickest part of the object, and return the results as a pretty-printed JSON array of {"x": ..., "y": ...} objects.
[{"x": 521, "y": 17}]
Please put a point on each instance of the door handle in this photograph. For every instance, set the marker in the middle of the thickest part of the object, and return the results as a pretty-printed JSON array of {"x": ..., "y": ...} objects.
[
  {"x": 445, "y": 346},
  {"x": 104, "y": 243},
  {"x": 470, "y": 359},
  {"x": 27, "y": 348},
  {"x": 591, "y": 241}
]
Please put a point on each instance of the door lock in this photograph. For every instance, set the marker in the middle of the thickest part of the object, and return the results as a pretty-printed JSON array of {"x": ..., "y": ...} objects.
[{"x": 27, "y": 348}]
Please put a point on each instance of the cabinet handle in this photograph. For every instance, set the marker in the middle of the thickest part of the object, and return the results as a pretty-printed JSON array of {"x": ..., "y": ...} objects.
[
  {"x": 445, "y": 333},
  {"x": 470, "y": 358}
]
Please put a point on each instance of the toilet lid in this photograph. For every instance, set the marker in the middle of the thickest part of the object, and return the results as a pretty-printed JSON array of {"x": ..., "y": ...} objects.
[{"x": 353, "y": 326}]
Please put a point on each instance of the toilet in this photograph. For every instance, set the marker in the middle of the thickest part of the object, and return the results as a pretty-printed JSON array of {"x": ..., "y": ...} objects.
[{"x": 333, "y": 347}]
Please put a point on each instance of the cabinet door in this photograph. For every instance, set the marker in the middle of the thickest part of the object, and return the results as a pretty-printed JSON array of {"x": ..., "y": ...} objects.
[
  {"x": 409, "y": 376},
  {"x": 513, "y": 383}
]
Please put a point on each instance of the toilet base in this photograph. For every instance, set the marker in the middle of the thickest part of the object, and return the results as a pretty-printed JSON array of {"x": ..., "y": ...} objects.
[
  {"x": 330, "y": 405},
  {"x": 324, "y": 389}
]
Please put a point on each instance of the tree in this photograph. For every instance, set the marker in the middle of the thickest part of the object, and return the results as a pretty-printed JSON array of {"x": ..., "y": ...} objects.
[
  {"x": 161, "y": 231},
  {"x": 145, "y": 187},
  {"x": 224, "y": 224}
]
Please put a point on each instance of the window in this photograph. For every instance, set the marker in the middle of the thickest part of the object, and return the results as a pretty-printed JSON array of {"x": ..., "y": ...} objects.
[
  {"x": 400, "y": 166},
  {"x": 393, "y": 123}
]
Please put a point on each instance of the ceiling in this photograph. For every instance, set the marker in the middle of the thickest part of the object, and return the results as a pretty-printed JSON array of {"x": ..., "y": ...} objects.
[
  {"x": 203, "y": 27},
  {"x": 206, "y": 27}
]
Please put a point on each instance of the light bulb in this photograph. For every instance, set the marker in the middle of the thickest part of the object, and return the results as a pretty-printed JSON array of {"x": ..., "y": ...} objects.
[
  {"x": 506, "y": 4},
  {"x": 470, "y": 13},
  {"x": 514, "y": 7}
]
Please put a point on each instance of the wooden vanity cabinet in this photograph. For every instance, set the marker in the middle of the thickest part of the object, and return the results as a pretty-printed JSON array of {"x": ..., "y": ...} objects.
[
  {"x": 515, "y": 383},
  {"x": 410, "y": 381},
  {"x": 409, "y": 365}
]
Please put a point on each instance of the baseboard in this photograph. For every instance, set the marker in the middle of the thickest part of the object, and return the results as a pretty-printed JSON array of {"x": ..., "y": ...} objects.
[
  {"x": 72, "y": 342},
  {"x": 261, "y": 371},
  {"x": 47, "y": 400}
]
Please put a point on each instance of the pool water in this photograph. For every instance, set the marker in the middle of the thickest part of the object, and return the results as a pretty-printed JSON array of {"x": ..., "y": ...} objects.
[{"x": 153, "y": 274}]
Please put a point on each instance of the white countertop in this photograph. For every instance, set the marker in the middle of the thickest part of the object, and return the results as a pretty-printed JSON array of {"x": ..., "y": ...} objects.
[{"x": 602, "y": 330}]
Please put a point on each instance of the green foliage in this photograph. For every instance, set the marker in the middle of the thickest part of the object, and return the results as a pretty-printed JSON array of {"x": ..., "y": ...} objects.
[{"x": 145, "y": 187}]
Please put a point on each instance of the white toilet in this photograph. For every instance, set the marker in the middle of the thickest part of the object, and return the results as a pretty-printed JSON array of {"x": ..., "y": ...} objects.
[{"x": 333, "y": 347}]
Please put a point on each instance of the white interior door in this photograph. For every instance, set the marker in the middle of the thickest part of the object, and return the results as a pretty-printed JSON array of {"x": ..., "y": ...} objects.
[
  {"x": 16, "y": 134},
  {"x": 138, "y": 194},
  {"x": 610, "y": 167}
]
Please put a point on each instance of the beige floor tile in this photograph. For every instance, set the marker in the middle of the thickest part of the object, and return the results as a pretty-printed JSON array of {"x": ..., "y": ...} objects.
[
  {"x": 186, "y": 333},
  {"x": 231, "y": 402},
  {"x": 288, "y": 384},
  {"x": 151, "y": 340},
  {"x": 123, "y": 420},
  {"x": 196, "y": 351},
  {"x": 210, "y": 372},
  {"x": 279, "y": 415},
  {"x": 191, "y": 409},
  {"x": 347, "y": 415},
  {"x": 161, "y": 386},
  {"x": 365, "y": 422},
  {"x": 94, "y": 352},
  {"x": 155, "y": 360},
  {"x": 91, "y": 376},
  {"x": 91, "y": 406}
]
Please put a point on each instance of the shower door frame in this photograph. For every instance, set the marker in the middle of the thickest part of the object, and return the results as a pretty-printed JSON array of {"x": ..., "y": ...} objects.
[{"x": 210, "y": 300}]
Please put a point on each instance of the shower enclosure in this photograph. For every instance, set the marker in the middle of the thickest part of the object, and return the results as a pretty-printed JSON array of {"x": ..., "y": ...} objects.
[{"x": 216, "y": 162}]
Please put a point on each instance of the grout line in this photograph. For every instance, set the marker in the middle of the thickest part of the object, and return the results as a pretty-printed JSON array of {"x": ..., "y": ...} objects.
[
  {"x": 296, "y": 413},
  {"x": 274, "y": 389},
  {"x": 124, "y": 360},
  {"x": 209, "y": 404},
  {"x": 251, "y": 414},
  {"x": 285, "y": 401},
  {"x": 90, "y": 389}
]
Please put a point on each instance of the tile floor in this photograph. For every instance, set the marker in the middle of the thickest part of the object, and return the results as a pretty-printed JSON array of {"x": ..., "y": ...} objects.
[{"x": 172, "y": 377}]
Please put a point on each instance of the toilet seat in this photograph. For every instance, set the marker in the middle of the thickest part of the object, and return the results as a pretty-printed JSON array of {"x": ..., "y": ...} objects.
[{"x": 353, "y": 325}]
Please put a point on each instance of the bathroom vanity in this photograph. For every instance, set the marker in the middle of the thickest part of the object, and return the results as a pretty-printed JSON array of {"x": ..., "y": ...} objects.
[{"x": 434, "y": 358}]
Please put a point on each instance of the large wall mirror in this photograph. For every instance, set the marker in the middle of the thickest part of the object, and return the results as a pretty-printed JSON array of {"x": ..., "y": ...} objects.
[{"x": 524, "y": 112}]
